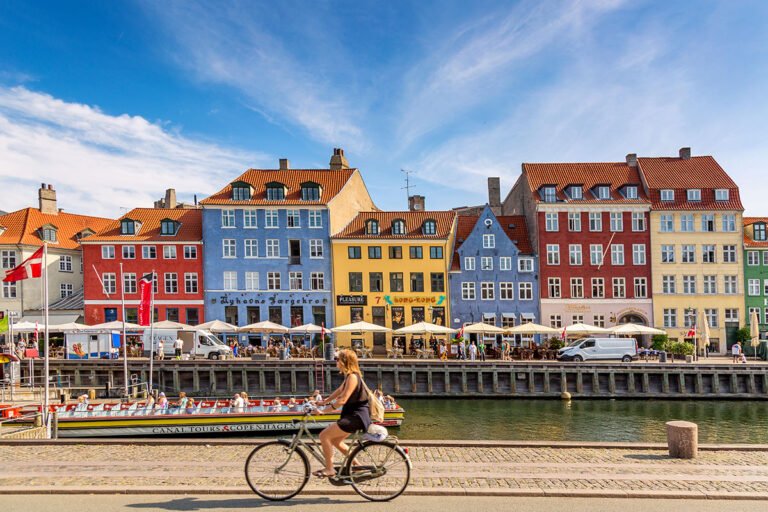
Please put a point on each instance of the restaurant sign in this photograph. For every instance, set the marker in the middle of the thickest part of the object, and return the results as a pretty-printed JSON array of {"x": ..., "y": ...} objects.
[{"x": 351, "y": 300}]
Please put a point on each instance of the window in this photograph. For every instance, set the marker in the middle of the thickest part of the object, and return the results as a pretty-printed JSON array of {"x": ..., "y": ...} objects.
[
  {"x": 149, "y": 252},
  {"x": 376, "y": 281},
  {"x": 689, "y": 285},
  {"x": 417, "y": 281},
  {"x": 670, "y": 318},
  {"x": 577, "y": 288},
  {"x": 430, "y": 227},
  {"x": 129, "y": 252},
  {"x": 49, "y": 234},
  {"x": 598, "y": 320},
  {"x": 315, "y": 219},
  {"x": 273, "y": 281},
  {"x": 753, "y": 258},
  {"x": 729, "y": 285},
  {"x": 711, "y": 315},
  {"x": 168, "y": 227},
  {"x": 487, "y": 291},
  {"x": 722, "y": 194},
  {"x": 489, "y": 241},
  {"x": 129, "y": 283},
  {"x": 525, "y": 264},
  {"x": 710, "y": 285},
  {"x": 731, "y": 315},
  {"x": 686, "y": 223},
  {"x": 127, "y": 227},
  {"x": 469, "y": 263},
  {"x": 595, "y": 254},
  {"x": 65, "y": 263},
  {"x": 66, "y": 289},
  {"x": 630, "y": 192},
  {"x": 316, "y": 249},
  {"x": 753, "y": 287},
  {"x": 251, "y": 248},
  {"x": 690, "y": 315},
  {"x": 395, "y": 252},
  {"x": 227, "y": 218},
  {"x": 396, "y": 282},
  {"x": 169, "y": 252},
  {"x": 356, "y": 281},
  {"x": 507, "y": 320},
  {"x": 553, "y": 286},
  {"x": 551, "y": 222},
  {"x": 667, "y": 253},
  {"x": 506, "y": 291},
  {"x": 729, "y": 223},
  {"x": 467, "y": 291},
  {"x": 109, "y": 283},
  {"x": 486, "y": 263},
  {"x": 708, "y": 253},
  {"x": 638, "y": 221},
  {"x": 229, "y": 248},
  {"x": 437, "y": 282},
  {"x": 758, "y": 230},
  {"x": 667, "y": 195},
  {"x": 398, "y": 227},
  {"x": 251, "y": 281},
  {"x": 575, "y": 192},
  {"x": 525, "y": 291},
  {"x": 436, "y": 253},
  {"x": 241, "y": 192},
  {"x": 273, "y": 248},
  {"x": 555, "y": 321},
  {"x": 765, "y": 287},
  {"x": 275, "y": 192},
  {"x": 317, "y": 281},
  {"x": 549, "y": 194},
  {"x": 617, "y": 221},
  {"x": 354, "y": 252},
  {"x": 765, "y": 258},
  {"x": 708, "y": 222},
  {"x": 617, "y": 254},
  {"x": 694, "y": 194},
  {"x": 310, "y": 192},
  {"x": 574, "y": 221},
  {"x": 756, "y": 311},
  {"x": 505, "y": 262},
  {"x": 598, "y": 288},
  {"x": 641, "y": 288},
  {"x": 603, "y": 192},
  {"x": 595, "y": 221},
  {"x": 619, "y": 288},
  {"x": 190, "y": 283},
  {"x": 667, "y": 223},
  {"x": 271, "y": 219},
  {"x": 729, "y": 254},
  {"x": 415, "y": 252},
  {"x": 171, "y": 280},
  {"x": 689, "y": 254},
  {"x": 638, "y": 254},
  {"x": 574, "y": 254},
  {"x": 108, "y": 252},
  {"x": 295, "y": 281},
  {"x": 668, "y": 284},
  {"x": 230, "y": 280},
  {"x": 553, "y": 254},
  {"x": 8, "y": 259},
  {"x": 292, "y": 219}
]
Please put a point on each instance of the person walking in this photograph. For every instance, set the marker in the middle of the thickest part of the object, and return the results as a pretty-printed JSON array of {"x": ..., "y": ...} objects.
[
  {"x": 472, "y": 351},
  {"x": 160, "y": 351},
  {"x": 481, "y": 349},
  {"x": 177, "y": 346},
  {"x": 736, "y": 352},
  {"x": 462, "y": 349}
]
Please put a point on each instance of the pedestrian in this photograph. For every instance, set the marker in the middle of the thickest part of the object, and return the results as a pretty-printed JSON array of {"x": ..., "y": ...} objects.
[
  {"x": 472, "y": 351},
  {"x": 177, "y": 346},
  {"x": 443, "y": 351},
  {"x": 481, "y": 349},
  {"x": 736, "y": 352},
  {"x": 160, "y": 352},
  {"x": 462, "y": 349}
]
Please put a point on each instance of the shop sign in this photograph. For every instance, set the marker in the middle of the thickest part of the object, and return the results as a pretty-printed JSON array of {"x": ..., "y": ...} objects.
[{"x": 351, "y": 300}]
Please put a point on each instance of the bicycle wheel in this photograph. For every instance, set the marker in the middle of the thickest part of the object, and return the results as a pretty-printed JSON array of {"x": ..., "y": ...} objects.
[
  {"x": 276, "y": 473},
  {"x": 378, "y": 471}
]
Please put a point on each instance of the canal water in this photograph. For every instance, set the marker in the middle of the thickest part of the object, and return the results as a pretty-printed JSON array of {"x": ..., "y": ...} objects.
[{"x": 581, "y": 420}]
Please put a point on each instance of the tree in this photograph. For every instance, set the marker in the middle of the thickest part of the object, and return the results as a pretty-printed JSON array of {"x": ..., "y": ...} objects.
[
  {"x": 743, "y": 335},
  {"x": 659, "y": 341}
]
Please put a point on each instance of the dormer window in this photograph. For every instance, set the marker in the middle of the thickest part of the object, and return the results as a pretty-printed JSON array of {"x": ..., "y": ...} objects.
[
  {"x": 310, "y": 191},
  {"x": 398, "y": 227},
  {"x": 430, "y": 227},
  {"x": 722, "y": 194},
  {"x": 630, "y": 192},
  {"x": 549, "y": 194},
  {"x": 48, "y": 233},
  {"x": 372, "y": 227},
  {"x": 603, "y": 192},
  {"x": 575, "y": 192},
  {"x": 694, "y": 194},
  {"x": 275, "y": 192},
  {"x": 241, "y": 191},
  {"x": 667, "y": 195},
  {"x": 759, "y": 231},
  {"x": 84, "y": 233},
  {"x": 127, "y": 227},
  {"x": 168, "y": 227}
]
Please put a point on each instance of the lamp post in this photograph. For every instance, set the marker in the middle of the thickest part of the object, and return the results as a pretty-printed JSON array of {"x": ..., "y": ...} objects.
[{"x": 691, "y": 313}]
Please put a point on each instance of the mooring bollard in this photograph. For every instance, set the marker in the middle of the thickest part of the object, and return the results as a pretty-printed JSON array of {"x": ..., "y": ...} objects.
[{"x": 683, "y": 439}]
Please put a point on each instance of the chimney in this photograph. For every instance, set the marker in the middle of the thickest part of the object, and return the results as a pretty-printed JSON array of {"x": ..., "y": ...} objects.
[
  {"x": 416, "y": 203},
  {"x": 494, "y": 192},
  {"x": 685, "y": 153},
  {"x": 47, "y": 199},
  {"x": 284, "y": 164},
  {"x": 170, "y": 198},
  {"x": 338, "y": 160},
  {"x": 632, "y": 159}
]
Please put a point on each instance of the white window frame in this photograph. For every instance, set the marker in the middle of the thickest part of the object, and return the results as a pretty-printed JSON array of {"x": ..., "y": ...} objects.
[
  {"x": 668, "y": 253},
  {"x": 227, "y": 219},
  {"x": 317, "y": 280},
  {"x": 230, "y": 280},
  {"x": 693, "y": 194},
  {"x": 128, "y": 252},
  {"x": 667, "y": 195},
  {"x": 687, "y": 223},
  {"x": 272, "y": 248},
  {"x": 489, "y": 241},
  {"x": 315, "y": 219},
  {"x": 669, "y": 284},
  {"x": 638, "y": 254},
  {"x": 469, "y": 263},
  {"x": 149, "y": 252},
  {"x": 595, "y": 254},
  {"x": 689, "y": 285},
  {"x": 65, "y": 263},
  {"x": 468, "y": 291},
  {"x": 251, "y": 281},
  {"x": 709, "y": 284},
  {"x": 487, "y": 290},
  {"x": 641, "y": 288},
  {"x": 574, "y": 254},
  {"x": 638, "y": 222},
  {"x": 722, "y": 194},
  {"x": 506, "y": 290},
  {"x": 574, "y": 222},
  {"x": 525, "y": 290},
  {"x": 617, "y": 222},
  {"x": 190, "y": 281},
  {"x": 229, "y": 248},
  {"x": 271, "y": 219},
  {"x": 250, "y": 248},
  {"x": 524, "y": 264},
  {"x": 619, "y": 288},
  {"x": 551, "y": 222},
  {"x": 107, "y": 252},
  {"x": 617, "y": 254},
  {"x": 250, "y": 219},
  {"x": 553, "y": 254},
  {"x": 486, "y": 262},
  {"x": 595, "y": 222},
  {"x": 169, "y": 252},
  {"x": 171, "y": 280},
  {"x": 730, "y": 285},
  {"x": 667, "y": 223},
  {"x": 316, "y": 249},
  {"x": 598, "y": 288},
  {"x": 292, "y": 219},
  {"x": 577, "y": 287},
  {"x": 505, "y": 262},
  {"x": 274, "y": 281},
  {"x": 553, "y": 285}
]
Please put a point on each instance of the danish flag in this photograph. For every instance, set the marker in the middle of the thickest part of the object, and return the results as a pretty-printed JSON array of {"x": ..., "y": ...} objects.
[
  {"x": 691, "y": 333},
  {"x": 31, "y": 267}
]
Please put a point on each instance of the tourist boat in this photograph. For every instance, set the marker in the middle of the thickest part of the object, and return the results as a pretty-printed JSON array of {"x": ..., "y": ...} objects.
[{"x": 209, "y": 417}]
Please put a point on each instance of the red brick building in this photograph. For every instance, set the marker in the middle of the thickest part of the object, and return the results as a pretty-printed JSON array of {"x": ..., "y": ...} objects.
[
  {"x": 589, "y": 223},
  {"x": 167, "y": 241}
]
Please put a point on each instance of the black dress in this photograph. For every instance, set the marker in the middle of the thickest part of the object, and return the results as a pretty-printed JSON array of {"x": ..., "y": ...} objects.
[{"x": 355, "y": 414}]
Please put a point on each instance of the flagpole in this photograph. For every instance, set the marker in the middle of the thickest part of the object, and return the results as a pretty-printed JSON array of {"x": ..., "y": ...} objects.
[
  {"x": 125, "y": 337},
  {"x": 45, "y": 317},
  {"x": 151, "y": 331}
]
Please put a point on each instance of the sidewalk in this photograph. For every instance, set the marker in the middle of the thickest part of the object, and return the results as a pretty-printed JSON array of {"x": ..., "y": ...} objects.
[{"x": 475, "y": 469}]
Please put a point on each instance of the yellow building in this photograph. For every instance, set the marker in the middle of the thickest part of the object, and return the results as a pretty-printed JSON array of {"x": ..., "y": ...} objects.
[
  {"x": 390, "y": 269},
  {"x": 696, "y": 241}
]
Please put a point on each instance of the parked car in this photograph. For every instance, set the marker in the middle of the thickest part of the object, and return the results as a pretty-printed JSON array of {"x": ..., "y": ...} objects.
[{"x": 592, "y": 349}]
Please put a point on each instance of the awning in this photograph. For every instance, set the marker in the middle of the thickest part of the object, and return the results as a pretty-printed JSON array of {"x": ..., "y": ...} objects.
[
  {"x": 53, "y": 318},
  {"x": 508, "y": 315},
  {"x": 489, "y": 315},
  {"x": 7, "y": 358},
  {"x": 528, "y": 316}
]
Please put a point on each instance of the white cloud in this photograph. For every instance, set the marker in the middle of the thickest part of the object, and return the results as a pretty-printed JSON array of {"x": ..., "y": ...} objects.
[{"x": 99, "y": 162}]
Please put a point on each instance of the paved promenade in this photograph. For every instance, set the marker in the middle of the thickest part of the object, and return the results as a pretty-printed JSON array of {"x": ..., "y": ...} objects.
[{"x": 443, "y": 467}]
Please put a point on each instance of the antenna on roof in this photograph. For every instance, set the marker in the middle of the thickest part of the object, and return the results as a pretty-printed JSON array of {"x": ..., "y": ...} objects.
[{"x": 408, "y": 185}]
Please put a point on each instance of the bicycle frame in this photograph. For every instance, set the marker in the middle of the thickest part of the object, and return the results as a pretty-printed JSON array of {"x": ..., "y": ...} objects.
[{"x": 313, "y": 446}]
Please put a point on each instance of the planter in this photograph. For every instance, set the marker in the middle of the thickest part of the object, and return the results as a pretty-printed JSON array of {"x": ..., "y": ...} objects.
[{"x": 688, "y": 359}]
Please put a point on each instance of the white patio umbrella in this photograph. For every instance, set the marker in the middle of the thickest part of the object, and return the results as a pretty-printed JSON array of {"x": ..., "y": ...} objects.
[
  {"x": 481, "y": 328},
  {"x": 265, "y": 327},
  {"x": 584, "y": 329},
  {"x": 425, "y": 328},
  {"x": 216, "y": 326},
  {"x": 635, "y": 329},
  {"x": 116, "y": 326},
  {"x": 754, "y": 331},
  {"x": 531, "y": 328},
  {"x": 361, "y": 327},
  {"x": 68, "y": 327},
  {"x": 25, "y": 327},
  {"x": 176, "y": 326},
  {"x": 306, "y": 329}
]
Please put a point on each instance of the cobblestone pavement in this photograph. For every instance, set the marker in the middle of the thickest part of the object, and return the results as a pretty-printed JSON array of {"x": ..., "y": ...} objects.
[{"x": 201, "y": 468}]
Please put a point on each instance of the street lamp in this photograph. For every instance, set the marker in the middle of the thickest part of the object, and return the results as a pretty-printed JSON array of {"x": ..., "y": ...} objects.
[{"x": 691, "y": 312}]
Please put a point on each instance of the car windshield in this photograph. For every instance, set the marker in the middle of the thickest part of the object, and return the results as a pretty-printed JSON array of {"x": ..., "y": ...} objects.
[
  {"x": 575, "y": 343},
  {"x": 212, "y": 340}
]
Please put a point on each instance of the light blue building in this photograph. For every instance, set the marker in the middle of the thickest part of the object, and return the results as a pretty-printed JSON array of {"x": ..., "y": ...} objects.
[
  {"x": 266, "y": 235},
  {"x": 493, "y": 276}
]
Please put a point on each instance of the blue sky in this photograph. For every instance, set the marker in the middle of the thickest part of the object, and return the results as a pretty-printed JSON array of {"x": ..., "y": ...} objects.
[{"x": 115, "y": 101}]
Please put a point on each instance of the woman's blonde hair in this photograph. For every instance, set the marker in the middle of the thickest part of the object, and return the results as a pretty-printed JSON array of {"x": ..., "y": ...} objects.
[{"x": 348, "y": 362}]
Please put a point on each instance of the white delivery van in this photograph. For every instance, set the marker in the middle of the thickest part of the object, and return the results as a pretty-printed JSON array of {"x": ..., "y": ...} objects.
[
  {"x": 592, "y": 349},
  {"x": 196, "y": 343}
]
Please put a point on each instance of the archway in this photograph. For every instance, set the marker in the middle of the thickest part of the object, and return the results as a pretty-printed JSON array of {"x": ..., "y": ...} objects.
[{"x": 632, "y": 318}]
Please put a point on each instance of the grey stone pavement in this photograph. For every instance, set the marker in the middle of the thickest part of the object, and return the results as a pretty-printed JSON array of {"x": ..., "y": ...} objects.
[{"x": 446, "y": 469}]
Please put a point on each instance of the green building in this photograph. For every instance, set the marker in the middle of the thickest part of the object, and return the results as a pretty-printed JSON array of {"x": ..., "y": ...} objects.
[{"x": 756, "y": 274}]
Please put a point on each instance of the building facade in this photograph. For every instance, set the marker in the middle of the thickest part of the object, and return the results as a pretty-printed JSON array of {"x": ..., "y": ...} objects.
[
  {"x": 493, "y": 271},
  {"x": 696, "y": 226},
  {"x": 389, "y": 269},
  {"x": 145, "y": 240},
  {"x": 267, "y": 253},
  {"x": 589, "y": 226},
  {"x": 756, "y": 272}
]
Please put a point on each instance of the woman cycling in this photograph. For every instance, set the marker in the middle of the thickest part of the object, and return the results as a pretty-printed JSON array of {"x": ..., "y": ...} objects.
[{"x": 355, "y": 415}]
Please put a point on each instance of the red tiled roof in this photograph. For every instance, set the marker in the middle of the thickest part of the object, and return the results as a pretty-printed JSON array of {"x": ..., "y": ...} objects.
[
  {"x": 190, "y": 230},
  {"x": 21, "y": 227},
  {"x": 518, "y": 233},
  {"x": 588, "y": 175},
  {"x": 748, "y": 241},
  {"x": 413, "y": 224},
  {"x": 330, "y": 181}
]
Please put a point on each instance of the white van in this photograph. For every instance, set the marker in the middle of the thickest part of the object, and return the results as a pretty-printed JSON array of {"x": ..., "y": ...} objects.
[
  {"x": 590, "y": 349},
  {"x": 196, "y": 343}
]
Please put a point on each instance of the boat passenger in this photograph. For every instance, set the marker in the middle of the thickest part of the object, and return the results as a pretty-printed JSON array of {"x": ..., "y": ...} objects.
[
  {"x": 82, "y": 404},
  {"x": 237, "y": 404},
  {"x": 183, "y": 400},
  {"x": 293, "y": 405},
  {"x": 316, "y": 396},
  {"x": 191, "y": 408},
  {"x": 277, "y": 406},
  {"x": 150, "y": 403},
  {"x": 162, "y": 403},
  {"x": 246, "y": 400},
  {"x": 389, "y": 402}
]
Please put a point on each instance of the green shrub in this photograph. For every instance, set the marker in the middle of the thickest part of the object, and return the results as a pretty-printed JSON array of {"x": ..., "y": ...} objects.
[
  {"x": 659, "y": 341},
  {"x": 556, "y": 343},
  {"x": 680, "y": 348},
  {"x": 743, "y": 335}
]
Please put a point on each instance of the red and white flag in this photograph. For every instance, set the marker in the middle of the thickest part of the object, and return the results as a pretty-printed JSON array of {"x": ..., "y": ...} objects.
[
  {"x": 691, "y": 333},
  {"x": 460, "y": 334},
  {"x": 146, "y": 288},
  {"x": 32, "y": 267}
]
